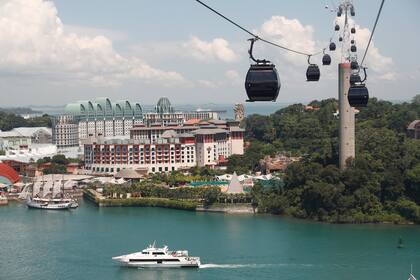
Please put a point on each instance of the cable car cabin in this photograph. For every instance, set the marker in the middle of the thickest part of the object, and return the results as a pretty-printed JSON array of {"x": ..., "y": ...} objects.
[
  {"x": 354, "y": 65},
  {"x": 262, "y": 83},
  {"x": 313, "y": 73},
  {"x": 353, "y": 30},
  {"x": 352, "y": 42},
  {"x": 355, "y": 78},
  {"x": 332, "y": 46},
  {"x": 358, "y": 95},
  {"x": 352, "y": 13},
  {"x": 340, "y": 39},
  {"x": 353, "y": 48},
  {"x": 326, "y": 59},
  {"x": 337, "y": 27}
]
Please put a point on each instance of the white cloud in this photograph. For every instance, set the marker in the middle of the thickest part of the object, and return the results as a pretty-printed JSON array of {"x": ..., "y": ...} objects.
[
  {"x": 233, "y": 76},
  {"x": 208, "y": 84},
  {"x": 291, "y": 34},
  {"x": 35, "y": 41},
  {"x": 218, "y": 49}
]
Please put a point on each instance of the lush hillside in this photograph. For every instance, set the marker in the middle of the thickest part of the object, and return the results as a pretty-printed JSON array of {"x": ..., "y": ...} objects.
[{"x": 382, "y": 184}]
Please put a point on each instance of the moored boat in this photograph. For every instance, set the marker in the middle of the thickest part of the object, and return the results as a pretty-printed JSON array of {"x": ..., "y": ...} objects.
[
  {"x": 154, "y": 257},
  {"x": 48, "y": 204}
]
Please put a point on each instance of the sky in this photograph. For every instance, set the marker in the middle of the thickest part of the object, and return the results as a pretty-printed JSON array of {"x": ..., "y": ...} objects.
[{"x": 61, "y": 51}]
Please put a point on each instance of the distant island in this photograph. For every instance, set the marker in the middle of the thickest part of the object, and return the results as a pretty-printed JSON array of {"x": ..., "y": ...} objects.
[{"x": 19, "y": 110}]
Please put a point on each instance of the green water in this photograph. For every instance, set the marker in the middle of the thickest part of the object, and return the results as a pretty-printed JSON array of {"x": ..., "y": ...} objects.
[{"x": 79, "y": 244}]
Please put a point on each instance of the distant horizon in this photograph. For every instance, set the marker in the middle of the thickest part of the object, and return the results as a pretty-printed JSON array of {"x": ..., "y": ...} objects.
[{"x": 409, "y": 99}]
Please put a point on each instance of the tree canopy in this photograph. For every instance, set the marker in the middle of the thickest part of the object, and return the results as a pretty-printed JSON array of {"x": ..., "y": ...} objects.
[{"x": 381, "y": 184}]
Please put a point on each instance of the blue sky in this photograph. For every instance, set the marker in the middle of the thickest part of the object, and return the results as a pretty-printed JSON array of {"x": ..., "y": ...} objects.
[{"x": 63, "y": 50}]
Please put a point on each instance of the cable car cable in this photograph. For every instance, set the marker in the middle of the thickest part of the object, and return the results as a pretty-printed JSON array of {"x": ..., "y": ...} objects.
[
  {"x": 373, "y": 31},
  {"x": 254, "y": 35}
]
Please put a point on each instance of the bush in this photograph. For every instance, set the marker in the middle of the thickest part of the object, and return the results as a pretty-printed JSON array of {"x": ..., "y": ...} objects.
[
  {"x": 150, "y": 202},
  {"x": 409, "y": 210}
]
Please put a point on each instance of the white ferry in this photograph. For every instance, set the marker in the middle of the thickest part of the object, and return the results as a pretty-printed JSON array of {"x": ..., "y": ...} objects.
[{"x": 153, "y": 257}]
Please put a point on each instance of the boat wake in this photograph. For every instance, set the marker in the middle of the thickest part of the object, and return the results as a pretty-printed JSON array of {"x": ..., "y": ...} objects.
[{"x": 253, "y": 265}]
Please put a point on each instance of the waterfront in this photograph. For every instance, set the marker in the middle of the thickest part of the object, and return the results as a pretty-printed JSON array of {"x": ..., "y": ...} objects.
[{"x": 79, "y": 245}]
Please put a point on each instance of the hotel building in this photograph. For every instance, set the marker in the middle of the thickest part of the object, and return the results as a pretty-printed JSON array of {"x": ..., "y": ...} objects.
[
  {"x": 165, "y": 148},
  {"x": 101, "y": 117}
]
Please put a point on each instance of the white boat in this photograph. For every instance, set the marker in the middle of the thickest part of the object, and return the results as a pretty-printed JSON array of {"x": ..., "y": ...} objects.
[
  {"x": 47, "y": 198},
  {"x": 49, "y": 204},
  {"x": 153, "y": 257},
  {"x": 3, "y": 200},
  {"x": 411, "y": 274}
]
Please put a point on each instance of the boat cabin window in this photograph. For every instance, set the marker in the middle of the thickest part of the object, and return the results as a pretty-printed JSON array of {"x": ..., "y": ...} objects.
[{"x": 158, "y": 253}]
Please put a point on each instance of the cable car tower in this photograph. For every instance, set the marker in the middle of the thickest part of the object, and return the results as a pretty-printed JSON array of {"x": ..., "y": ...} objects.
[
  {"x": 347, "y": 118},
  {"x": 262, "y": 81}
]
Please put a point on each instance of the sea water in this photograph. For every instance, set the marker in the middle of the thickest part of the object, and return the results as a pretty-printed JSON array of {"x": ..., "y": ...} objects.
[{"x": 79, "y": 244}]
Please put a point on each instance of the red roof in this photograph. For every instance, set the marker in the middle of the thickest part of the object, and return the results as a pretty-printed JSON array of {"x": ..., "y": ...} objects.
[
  {"x": 192, "y": 122},
  {"x": 9, "y": 173}
]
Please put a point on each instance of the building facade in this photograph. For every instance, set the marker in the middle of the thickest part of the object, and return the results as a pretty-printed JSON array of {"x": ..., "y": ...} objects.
[
  {"x": 165, "y": 148},
  {"x": 165, "y": 114},
  {"x": 164, "y": 155},
  {"x": 101, "y": 117},
  {"x": 65, "y": 131}
]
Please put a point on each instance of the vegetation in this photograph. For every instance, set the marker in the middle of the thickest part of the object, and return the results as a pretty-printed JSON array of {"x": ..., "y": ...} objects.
[
  {"x": 9, "y": 121},
  {"x": 56, "y": 165},
  {"x": 177, "y": 178},
  {"x": 381, "y": 185},
  {"x": 150, "y": 202},
  {"x": 205, "y": 195}
]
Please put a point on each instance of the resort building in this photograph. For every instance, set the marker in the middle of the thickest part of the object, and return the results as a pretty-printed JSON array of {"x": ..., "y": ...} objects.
[
  {"x": 65, "y": 131},
  {"x": 165, "y": 114},
  {"x": 165, "y": 148},
  {"x": 162, "y": 155},
  {"x": 101, "y": 117}
]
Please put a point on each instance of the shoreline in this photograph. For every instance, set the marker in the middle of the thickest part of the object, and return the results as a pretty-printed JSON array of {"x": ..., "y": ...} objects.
[{"x": 188, "y": 205}]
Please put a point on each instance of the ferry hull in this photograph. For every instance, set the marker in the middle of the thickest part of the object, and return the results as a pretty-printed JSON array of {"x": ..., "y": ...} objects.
[
  {"x": 64, "y": 206},
  {"x": 163, "y": 265},
  {"x": 156, "y": 264}
]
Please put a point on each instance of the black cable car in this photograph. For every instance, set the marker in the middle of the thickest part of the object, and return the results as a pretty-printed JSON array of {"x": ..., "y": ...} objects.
[
  {"x": 353, "y": 30},
  {"x": 358, "y": 95},
  {"x": 337, "y": 27},
  {"x": 312, "y": 73},
  {"x": 354, "y": 65},
  {"x": 332, "y": 46},
  {"x": 353, "y": 48},
  {"x": 340, "y": 39},
  {"x": 355, "y": 78},
  {"x": 352, "y": 13},
  {"x": 326, "y": 59},
  {"x": 339, "y": 12},
  {"x": 262, "y": 82},
  {"x": 352, "y": 41}
]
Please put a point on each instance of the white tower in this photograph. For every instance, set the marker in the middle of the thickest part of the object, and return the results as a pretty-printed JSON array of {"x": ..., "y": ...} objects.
[{"x": 347, "y": 122}]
